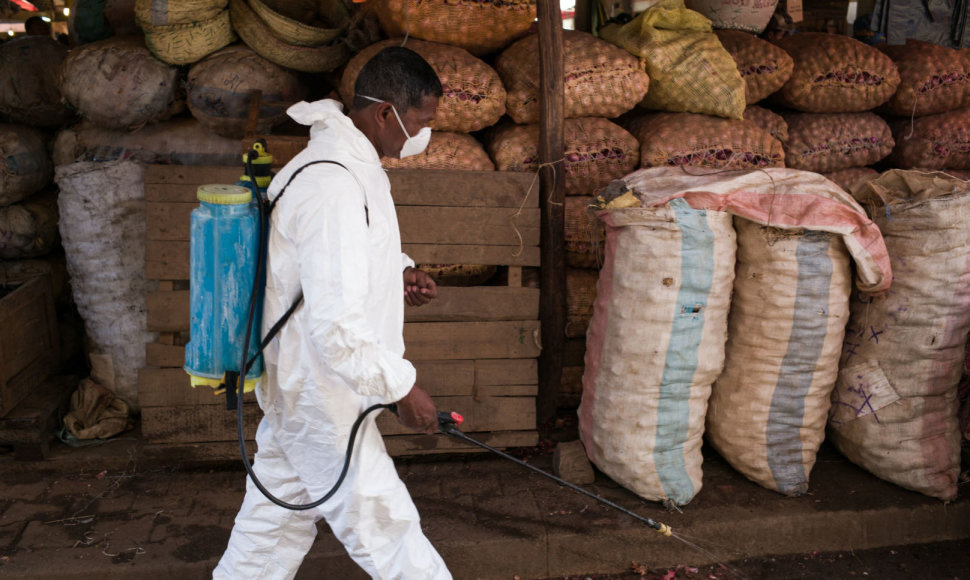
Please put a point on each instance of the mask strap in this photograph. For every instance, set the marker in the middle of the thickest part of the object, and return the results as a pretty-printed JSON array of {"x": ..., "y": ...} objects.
[{"x": 393, "y": 108}]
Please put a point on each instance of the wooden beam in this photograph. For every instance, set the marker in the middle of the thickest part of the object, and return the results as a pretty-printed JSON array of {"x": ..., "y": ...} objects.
[
  {"x": 471, "y": 340},
  {"x": 552, "y": 305}
]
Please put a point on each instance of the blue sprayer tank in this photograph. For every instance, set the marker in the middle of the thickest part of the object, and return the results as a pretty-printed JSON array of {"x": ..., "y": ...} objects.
[{"x": 224, "y": 254}]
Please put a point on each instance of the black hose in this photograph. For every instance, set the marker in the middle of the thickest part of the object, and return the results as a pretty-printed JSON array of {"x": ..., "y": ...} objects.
[{"x": 245, "y": 366}]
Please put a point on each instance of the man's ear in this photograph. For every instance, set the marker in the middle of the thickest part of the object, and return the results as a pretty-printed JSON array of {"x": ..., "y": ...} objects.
[{"x": 382, "y": 113}]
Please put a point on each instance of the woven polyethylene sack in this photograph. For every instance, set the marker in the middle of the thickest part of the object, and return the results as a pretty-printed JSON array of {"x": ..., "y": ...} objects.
[
  {"x": 218, "y": 91},
  {"x": 473, "y": 96},
  {"x": 600, "y": 80},
  {"x": 103, "y": 233},
  {"x": 764, "y": 67},
  {"x": 479, "y": 27},
  {"x": 836, "y": 74},
  {"x": 456, "y": 151},
  {"x": 583, "y": 233},
  {"x": 736, "y": 15},
  {"x": 596, "y": 151},
  {"x": 769, "y": 121},
  {"x": 689, "y": 69},
  {"x": 789, "y": 310},
  {"x": 29, "y": 93},
  {"x": 689, "y": 140},
  {"x": 934, "y": 142},
  {"x": 29, "y": 229},
  {"x": 655, "y": 344},
  {"x": 846, "y": 178},
  {"x": 827, "y": 142},
  {"x": 118, "y": 84},
  {"x": 933, "y": 79},
  {"x": 895, "y": 404},
  {"x": 25, "y": 166}
]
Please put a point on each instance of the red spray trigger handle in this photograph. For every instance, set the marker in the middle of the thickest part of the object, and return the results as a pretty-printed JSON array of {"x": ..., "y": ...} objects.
[{"x": 449, "y": 420}]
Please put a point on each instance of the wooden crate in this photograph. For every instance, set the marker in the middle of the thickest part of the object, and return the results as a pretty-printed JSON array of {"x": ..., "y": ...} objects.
[
  {"x": 475, "y": 348},
  {"x": 29, "y": 341}
]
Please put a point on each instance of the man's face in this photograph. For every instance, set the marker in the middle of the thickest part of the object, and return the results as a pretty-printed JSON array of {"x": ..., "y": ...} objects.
[{"x": 415, "y": 119}]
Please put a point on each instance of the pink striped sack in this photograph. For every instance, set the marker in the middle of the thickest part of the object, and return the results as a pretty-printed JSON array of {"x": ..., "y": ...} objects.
[{"x": 895, "y": 403}]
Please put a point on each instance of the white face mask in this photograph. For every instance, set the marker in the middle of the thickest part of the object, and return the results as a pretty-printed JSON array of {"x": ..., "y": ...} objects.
[{"x": 413, "y": 145}]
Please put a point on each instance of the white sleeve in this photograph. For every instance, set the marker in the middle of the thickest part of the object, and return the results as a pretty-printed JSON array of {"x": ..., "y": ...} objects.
[
  {"x": 406, "y": 262},
  {"x": 330, "y": 234}
]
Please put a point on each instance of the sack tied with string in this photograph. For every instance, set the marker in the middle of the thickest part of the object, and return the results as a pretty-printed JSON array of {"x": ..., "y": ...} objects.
[{"x": 933, "y": 142}]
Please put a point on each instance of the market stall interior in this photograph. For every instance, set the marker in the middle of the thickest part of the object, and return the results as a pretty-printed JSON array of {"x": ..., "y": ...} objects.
[{"x": 668, "y": 224}]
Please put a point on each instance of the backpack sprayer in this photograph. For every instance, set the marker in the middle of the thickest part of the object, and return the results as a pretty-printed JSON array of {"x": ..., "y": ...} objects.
[{"x": 230, "y": 223}]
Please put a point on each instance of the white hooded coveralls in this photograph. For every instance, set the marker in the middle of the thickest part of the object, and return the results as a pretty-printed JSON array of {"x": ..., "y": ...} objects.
[{"x": 340, "y": 352}]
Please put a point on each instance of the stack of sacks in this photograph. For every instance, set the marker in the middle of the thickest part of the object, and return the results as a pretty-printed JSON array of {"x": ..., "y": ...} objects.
[
  {"x": 601, "y": 82},
  {"x": 28, "y": 207},
  {"x": 834, "y": 84},
  {"x": 184, "y": 32},
  {"x": 930, "y": 113},
  {"x": 895, "y": 404},
  {"x": 29, "y": 93},
  {"x": 309, "y": 37}
]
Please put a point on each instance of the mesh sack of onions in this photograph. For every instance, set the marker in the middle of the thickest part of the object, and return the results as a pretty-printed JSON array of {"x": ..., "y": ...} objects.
[
  {"x": 829, "y": 142},
  {"x": 764, "y": 67}
]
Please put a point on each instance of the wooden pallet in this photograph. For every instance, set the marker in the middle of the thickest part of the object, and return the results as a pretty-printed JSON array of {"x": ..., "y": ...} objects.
[
  {"x": 475, "y": 348},
  {"x": 30, "y": 426}
]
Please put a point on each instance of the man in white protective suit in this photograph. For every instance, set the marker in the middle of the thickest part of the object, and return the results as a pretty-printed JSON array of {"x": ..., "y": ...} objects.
[{"x": 334, "y": 235}]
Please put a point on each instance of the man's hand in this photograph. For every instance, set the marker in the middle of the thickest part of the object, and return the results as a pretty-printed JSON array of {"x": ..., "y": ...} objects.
[
  {"x": 419, "y": 288},
  {"x": 416, "y": 411}
]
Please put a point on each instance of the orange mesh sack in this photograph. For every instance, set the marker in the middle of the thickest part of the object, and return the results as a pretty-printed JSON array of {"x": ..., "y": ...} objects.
[
  {"x": 473, "y": 96},
  {"x": 846, "y": 178},
  {"x": 689, "y": 69},
  {"x": 935, "y": 142},
  {"x": 584, "y": 234},
  {"x": 836, "y": 74},
  {"x": 933, "y": 79},
  {"x": 458, "y": 151},
  {"x": 596, "y": 151},
  {"x": 768, "y": 120},
  {"x": 600, "y": 79},
  {"x": 764, "y": 67},
  {"x": 824, "y": 143},
  {"x": 580, "y": 296},
  {"x": 478, "y": 27},
  {"x": 686, "y": 139}
]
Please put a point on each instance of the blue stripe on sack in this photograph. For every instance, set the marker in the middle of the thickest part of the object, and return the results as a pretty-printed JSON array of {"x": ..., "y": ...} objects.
[
  {"x": 673, "y": 408},
  {"x": 810, "y": 322}
]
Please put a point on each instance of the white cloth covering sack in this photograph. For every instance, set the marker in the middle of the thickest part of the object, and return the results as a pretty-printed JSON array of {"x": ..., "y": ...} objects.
[{"x": 340, "y": 352}]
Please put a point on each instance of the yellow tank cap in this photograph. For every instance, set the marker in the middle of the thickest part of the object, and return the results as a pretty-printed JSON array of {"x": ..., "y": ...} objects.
[
  {"x": 217, "y": 385},
  {"x": 223, "y": 194}
]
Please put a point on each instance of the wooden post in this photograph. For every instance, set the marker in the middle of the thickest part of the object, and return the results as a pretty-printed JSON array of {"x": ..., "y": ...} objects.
[{"x": 552, "y": 302}]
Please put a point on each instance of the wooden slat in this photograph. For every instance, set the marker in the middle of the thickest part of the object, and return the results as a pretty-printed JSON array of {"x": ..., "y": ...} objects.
[
  {"x": 192, "y": 174},
  {"x": 170, "y": 387},
  {"x": 489, "y": 255},
  {"x": 471, "y": 340},
  {"x": 419, "y": 225},
  {"x": 463, "y": 188},
  {"x": 164, "y": 355},
  {"x": 166, "y": 260},
  {"x": 201, "y": 423},
  {"x": 486, "y": 414},
  {"x": 169, "y": 311},
  {"x": 523, "y": 371}
]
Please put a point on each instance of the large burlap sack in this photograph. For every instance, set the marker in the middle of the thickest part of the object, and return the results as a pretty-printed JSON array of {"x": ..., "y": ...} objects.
[
  {"x": 446, "y": 151},
  {"x": 846, "y": 178},
  {"x": 689, "y": 68},
  {"x": 689, "y": 140},
  {"x": 894, "y": 407},
  {"x": 95, "y": 413},
  {"x": 580, "y": 297},
  {"x": 596, "y": 151},
  {"x": 25, "y": 166},
  {"x": 118, "y": 84},
  {"x": 600, "y": 80},
  {"x": 934, "y": 142},
  {"x": 219, "y": 87},
  {"x": 764, "y": 67},
  {"x": 102, "y": 206},
  {"x": 789, "y": 309},
  {"x": 479, "y": 27},
  {"x": 473, "y": 96},
  {"x": 736, "y": 14},
  {"x": 836, "y": 74},
  {"x": 28, "y": 86},
  {"x": 769, "y": 121},
  {"x": 29, "y": 229},
  {"x": 933, "y": 79},
  {"x": 655, "y": 344},
  {"x": 833, "y": 141},
  {"x": 583, "y": 233}
]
